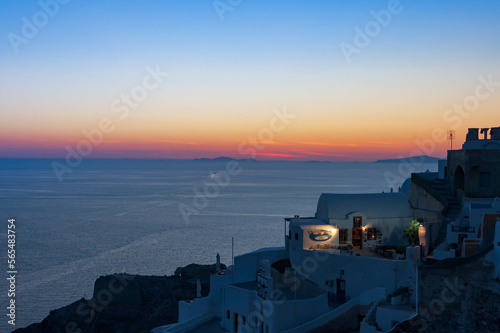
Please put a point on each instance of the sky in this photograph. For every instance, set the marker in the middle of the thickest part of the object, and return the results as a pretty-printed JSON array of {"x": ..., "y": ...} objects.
[{"x": 295, "y": 80}]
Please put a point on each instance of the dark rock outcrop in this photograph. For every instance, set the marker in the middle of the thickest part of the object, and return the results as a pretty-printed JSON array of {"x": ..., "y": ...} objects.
[
  {"x": 456, "y": 298},
  {"x": 125, "y": 303}
]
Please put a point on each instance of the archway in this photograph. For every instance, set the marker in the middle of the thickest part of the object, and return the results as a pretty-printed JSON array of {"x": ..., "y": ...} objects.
[{"x": 458, "y": 180}]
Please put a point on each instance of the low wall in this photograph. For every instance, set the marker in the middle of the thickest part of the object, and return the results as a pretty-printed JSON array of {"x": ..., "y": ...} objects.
[
  {"x": 194, "y": 308},
  {"x": 188, "y": 326},
  {"x": 247, "y": 265},
  {"x": 343, "y": 318},
  {"x": 456, "y": 262}
]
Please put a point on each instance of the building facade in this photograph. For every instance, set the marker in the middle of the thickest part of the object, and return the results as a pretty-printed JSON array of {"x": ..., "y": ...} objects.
[{"x": 474, "y": 170}]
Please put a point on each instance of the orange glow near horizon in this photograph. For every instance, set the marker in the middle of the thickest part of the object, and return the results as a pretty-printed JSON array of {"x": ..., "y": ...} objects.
[
  {"x": 332, "y": 136},
  {"x": 116, "y": 147},
  {"x": 197, "y": 87}
]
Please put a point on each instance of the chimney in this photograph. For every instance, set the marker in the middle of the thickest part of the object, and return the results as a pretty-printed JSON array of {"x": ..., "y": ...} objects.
[
  {"x": 495, "y": 133},
  {"x": 473, "y": 134},
  {"x": 485, "y": 132}
]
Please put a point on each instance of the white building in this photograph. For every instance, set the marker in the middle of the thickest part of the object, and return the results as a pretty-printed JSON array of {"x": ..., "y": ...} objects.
[
  {"x": 496, "y": 252},
  {"x": 473, "y": 229},
  {"x": 319, "y": 277},
  {"x": 366, "y": 217}
]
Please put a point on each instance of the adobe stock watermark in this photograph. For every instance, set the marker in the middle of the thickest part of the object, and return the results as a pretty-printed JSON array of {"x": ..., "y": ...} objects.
[
  {"x": 31, "y": 26},
  {"x": 255, "y": 143},
  {"x": 223, "y": 6},
  {"x": 372, "y": 29},
  {"x": 89, "y": 310},
  {"x": 122, "y": 107},
  {"x": 427, "y": 314},
  {"x": 454, "y": 116}
]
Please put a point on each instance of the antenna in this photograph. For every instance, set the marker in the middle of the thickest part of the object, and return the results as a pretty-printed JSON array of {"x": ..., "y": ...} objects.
[
  {"x": 451, "y": 136},
  {"x": 232, "y": 252}
]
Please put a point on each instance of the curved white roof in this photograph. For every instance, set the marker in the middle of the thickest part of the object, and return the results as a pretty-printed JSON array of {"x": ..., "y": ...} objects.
[
  {"x": 373, "y": 205},
  {"x": 405, "y": 188},
  {"x": 482, "y": 144}
]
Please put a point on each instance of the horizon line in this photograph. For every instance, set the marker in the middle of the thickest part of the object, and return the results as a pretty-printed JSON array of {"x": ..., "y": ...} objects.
[{"x": 221, "y": 157}]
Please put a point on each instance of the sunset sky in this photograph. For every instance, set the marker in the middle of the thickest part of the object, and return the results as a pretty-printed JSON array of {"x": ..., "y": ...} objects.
[{"x": 231, "y": 68}]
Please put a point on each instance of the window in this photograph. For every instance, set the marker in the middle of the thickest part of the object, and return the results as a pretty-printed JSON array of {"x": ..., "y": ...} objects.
[
  {"x": 243, "y": 320},
  {"x": 296, "y": 236},
  {"x": 357, "y": 222},
  {"x": 343, "y": 235},
  {"x": 485, "y": 179},
  {"x": 228, "y": 314},
  {"x": 341, "y": 272},
  {"x": 371, "y": 233}
]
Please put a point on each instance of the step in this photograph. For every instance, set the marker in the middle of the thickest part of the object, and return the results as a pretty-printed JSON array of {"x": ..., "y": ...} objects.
[{"x": 372, "y": 320}]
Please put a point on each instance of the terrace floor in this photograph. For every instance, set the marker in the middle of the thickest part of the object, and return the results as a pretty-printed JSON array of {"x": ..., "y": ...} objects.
[{"x": 213, "y": 326}]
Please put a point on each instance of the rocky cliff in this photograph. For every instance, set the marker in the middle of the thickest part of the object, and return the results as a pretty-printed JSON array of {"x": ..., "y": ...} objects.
[
  {"x": 461, "y": 298},
  {"x": 127, "y": 303}
]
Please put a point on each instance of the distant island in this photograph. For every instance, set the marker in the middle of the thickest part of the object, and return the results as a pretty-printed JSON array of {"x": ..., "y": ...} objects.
[
  {"x": 224, "y": 159},
  {"x": 420, "y": 159}
]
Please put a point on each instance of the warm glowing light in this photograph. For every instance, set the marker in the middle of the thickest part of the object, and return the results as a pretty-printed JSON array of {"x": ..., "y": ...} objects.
[{"x": 421, "y": 234}]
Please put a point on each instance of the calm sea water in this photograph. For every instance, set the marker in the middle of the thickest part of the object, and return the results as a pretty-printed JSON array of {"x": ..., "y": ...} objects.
[{"x": 123, "y": 216}]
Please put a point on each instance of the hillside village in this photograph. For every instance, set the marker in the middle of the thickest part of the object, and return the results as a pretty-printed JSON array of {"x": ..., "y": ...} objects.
[{"x": 350, "y": 268}]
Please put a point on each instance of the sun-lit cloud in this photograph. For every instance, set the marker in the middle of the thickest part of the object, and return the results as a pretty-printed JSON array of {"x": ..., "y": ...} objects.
[{"x": 321, "y": 154}]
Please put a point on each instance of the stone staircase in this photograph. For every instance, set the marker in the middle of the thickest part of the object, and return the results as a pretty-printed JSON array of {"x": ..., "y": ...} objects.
[
  {"x": 372, "y": 319},
  {"x": 369, "y": 323},
  {"x": 451, "y": 212}
]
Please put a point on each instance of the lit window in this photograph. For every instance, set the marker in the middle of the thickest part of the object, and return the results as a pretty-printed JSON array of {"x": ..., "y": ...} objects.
[
  {"x": 343, "y": 235},
  {"x": 371, "y": 233},
  {"x": 357, "y": 221}
]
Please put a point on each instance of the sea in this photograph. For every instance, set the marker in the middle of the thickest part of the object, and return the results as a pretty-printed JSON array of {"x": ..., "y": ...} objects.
[{"x": 149, "y": 217}]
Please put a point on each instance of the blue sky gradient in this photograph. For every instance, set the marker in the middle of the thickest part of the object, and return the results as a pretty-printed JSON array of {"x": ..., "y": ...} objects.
[{"x": 264, "y": 53}]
